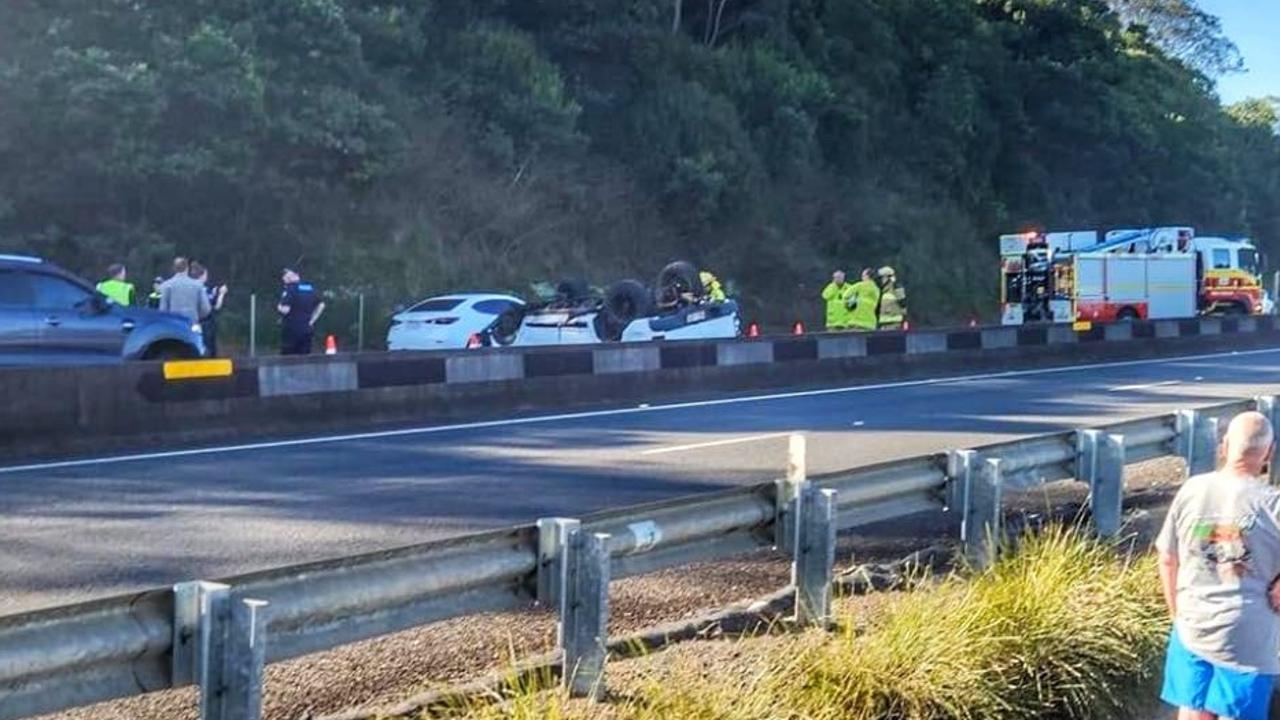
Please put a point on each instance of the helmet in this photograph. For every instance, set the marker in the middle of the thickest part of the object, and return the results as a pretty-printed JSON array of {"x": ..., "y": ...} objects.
[{"x": 885, "y": 272}]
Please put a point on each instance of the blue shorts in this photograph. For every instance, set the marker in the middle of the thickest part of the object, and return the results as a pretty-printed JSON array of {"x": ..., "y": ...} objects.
[{"x": 1196, "y": 684}]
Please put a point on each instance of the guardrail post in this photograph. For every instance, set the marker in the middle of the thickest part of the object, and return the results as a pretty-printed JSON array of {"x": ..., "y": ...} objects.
[
  {"x": 1087, "y": 457},
  {"x": 1269, "y": 405},
  {"x": 189, "y": 629},
  {"x": 1198, "y": 441},
  {"x": 981, "y": 486},
  {"x": 787, "y": 491},
  {"x": 958, "y": 464},
  {"x": 553, "y": 535},
  {"x": 815, "y": 554},
  {"x": 1101, "y": 466},
  {"x": 220, "y": 644},
  {"x": 584, "y": 612},
  {"x": 246, "y": 660}
]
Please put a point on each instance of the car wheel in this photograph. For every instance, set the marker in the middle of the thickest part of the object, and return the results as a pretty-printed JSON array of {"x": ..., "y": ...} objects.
[
  {"x": 627, "y": 300},
  {"x": 507, "y": 326},
  {"x": 571, "y": 292},
  {"x": 168, "y": 351},
  {"x": 678, "y": 279}
]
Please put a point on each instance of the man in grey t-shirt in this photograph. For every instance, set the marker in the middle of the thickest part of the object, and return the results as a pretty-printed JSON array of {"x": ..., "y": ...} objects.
[
  {"x": 183, "y": 294},
  {"x": 1219, "y": 555}
]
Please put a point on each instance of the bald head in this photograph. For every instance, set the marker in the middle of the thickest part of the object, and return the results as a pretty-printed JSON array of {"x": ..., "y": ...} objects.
[{"x": 1249, "y": 442}]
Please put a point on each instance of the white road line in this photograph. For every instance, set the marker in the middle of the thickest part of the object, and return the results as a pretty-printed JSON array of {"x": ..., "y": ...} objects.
[
  {"x": 1145, "y": 386},
  {"x": 586, "y": 415},
  {"x": 711, "y": 444}
]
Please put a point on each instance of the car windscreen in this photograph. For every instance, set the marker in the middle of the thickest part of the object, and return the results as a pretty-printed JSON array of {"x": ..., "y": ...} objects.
[{"x": 436, "y": 305}]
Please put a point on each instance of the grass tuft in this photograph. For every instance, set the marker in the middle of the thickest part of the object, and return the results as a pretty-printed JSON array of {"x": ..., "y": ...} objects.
[{"x": 1063, "y": 626}]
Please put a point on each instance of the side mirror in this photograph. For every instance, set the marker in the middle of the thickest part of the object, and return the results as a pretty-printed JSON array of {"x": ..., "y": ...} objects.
[{"x": 100, "y": 304}]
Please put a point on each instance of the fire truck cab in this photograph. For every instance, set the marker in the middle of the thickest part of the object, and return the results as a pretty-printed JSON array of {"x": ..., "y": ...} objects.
[{"x": 1232, "y": 269}]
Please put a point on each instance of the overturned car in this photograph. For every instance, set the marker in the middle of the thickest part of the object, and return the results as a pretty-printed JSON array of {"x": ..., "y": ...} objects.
[{"x": 680, "y": 306}]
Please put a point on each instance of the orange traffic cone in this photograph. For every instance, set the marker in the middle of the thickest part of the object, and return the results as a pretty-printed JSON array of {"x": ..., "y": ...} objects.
[
  {"x": 753, "y": 330},
  {"x": 330, "y": 345},
  {"x": 798, "y": 328}
]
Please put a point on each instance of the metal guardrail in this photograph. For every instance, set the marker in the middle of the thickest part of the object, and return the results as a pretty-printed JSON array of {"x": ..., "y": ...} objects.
[{"x": 220, "y": 635}]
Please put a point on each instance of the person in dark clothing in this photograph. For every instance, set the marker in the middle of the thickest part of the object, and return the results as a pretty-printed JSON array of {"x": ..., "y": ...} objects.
[
  {"x": 153, "y": 300},
  {"x": 300, "y": 307},
  {"x": 217, "y": 295}
]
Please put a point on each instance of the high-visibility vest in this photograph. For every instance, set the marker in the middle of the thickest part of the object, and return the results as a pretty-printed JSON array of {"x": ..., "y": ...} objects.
[
  {"x": 711, "y": 286},
  {"x": 866, "y": 300},
  {"x": 118, "y": 290},
  {"x": 837, "y": 299}
]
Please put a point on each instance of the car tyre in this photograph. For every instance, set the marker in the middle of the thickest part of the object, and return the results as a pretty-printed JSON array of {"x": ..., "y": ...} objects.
[
  {"x": 627, "y": 300},
  {"x": 169, "y": 351},
  {"x": 624, "y": 302},
  {"x": 572, "y": 292},
  {"x": 678, "y": 279},
  {"x": 507, "y": 326}
]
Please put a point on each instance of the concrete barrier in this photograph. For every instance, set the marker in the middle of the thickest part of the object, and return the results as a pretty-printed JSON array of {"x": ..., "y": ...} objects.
[{"x": 52, "y": 412}]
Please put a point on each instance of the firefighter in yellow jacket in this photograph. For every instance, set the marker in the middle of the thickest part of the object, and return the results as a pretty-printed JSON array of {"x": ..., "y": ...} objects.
[
  {"x": 836, "y": 295},
  {"x": 712, "y": 290},
  {"x": 893, "y": 300},
  {"x": 864, "y": 303}
]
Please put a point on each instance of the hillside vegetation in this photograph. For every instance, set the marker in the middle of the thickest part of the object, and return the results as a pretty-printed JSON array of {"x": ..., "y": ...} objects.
[{"x": 400, "y": 147}]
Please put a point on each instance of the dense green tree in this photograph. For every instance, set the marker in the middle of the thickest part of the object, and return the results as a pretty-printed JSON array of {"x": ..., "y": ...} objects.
[{"x": 399, "y": 147}]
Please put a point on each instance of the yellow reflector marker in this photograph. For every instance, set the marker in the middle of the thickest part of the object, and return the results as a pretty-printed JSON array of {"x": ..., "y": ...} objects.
[
  {"x": 189, "y": 369},
  {"x": 1082, "y": 326}
]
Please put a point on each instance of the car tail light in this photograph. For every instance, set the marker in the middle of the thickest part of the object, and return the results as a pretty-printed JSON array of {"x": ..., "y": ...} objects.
[{"x": 474, "y": 342}]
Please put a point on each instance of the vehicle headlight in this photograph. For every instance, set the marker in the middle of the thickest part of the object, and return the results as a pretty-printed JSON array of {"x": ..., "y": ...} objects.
[{"x": 195, "y": 328}]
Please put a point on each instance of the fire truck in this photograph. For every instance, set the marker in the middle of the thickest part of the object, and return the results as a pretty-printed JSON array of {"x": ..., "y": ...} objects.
[{"x": 1129, "y": 274}]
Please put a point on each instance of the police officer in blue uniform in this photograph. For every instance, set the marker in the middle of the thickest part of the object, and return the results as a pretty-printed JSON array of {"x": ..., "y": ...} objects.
[{"x": 300, "y": 307}]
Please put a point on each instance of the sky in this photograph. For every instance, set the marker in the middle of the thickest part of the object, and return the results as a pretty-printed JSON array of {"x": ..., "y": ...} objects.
[{"x": 1254, "y": 26}]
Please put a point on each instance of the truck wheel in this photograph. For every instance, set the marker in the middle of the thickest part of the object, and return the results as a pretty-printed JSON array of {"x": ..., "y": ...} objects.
[
  {"x": 1128, "y": 315},
  {"x": 677, "y": 279}
]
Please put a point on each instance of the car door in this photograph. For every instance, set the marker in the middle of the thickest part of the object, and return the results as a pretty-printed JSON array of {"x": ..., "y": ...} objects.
[
  {"x": 18, "y": 333},
  {"x": 74, "y": 327}
]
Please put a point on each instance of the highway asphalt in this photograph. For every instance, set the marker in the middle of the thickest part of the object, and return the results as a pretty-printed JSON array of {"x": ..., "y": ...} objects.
[{"x": 101, "y": 526}]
